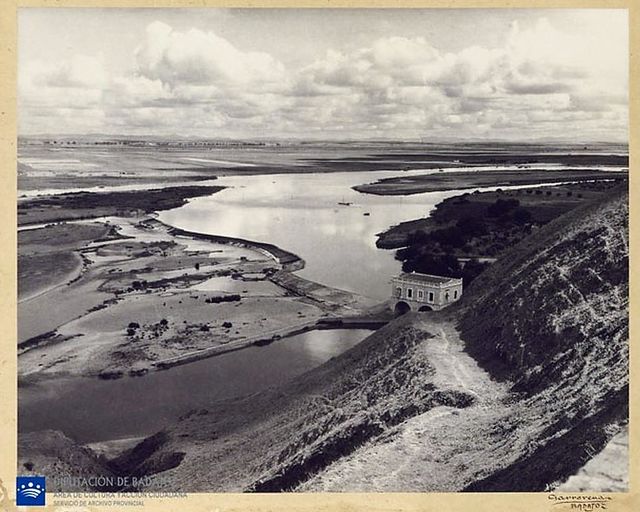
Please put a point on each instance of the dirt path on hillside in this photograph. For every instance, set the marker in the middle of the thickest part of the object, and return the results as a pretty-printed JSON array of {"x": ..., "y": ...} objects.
[
  {"x": 455, "y": 369},
  {"x": 435, "y": 450}
]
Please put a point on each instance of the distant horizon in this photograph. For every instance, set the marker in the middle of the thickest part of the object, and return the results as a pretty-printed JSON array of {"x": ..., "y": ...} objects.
[{"x": 468, "y": 140}]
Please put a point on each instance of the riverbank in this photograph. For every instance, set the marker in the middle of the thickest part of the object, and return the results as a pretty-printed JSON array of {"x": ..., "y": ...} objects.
[
  {"x": 455, "y": 180},
  {"x": 470, "y": 212},
  {"x": 91, "y": 205},
  {"x": 287, "y": 260},
  {"x": 152, "y": 296}
]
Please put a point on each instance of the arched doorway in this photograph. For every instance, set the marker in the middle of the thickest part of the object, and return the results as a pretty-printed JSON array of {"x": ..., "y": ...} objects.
[
  {"x": 402, "y": 308},
  {"x": 425, "y": 308}
]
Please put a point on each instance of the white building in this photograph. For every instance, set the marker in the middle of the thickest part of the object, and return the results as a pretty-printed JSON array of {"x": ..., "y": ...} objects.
[{"x": 424, "y": 292}]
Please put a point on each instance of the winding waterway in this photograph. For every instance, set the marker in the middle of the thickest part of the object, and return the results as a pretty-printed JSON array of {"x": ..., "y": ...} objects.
[
  {"x": 320, "y": 218},
  {"x": 317, "y": 216},
  {"x": 302, "y": 213},
  {"x": 89, "y": 409}
]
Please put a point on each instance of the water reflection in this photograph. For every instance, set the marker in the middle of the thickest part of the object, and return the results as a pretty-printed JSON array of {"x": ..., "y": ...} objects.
[
  {"x": 89, "y": 409},
  {"x": 301, "y": 213}
]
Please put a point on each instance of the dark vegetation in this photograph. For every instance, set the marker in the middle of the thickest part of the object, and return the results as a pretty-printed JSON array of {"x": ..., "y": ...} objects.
[
  {"x": 456, "y": 180},
  {"x": 234, "y": 297},
  {"x": 86, "y": 205},
  {"x": 466, "y": 229},
  {"x": 489, "y": 231}
]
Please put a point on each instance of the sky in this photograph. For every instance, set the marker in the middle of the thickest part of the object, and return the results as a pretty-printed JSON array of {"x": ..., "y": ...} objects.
[{"x": 410, "y": 74}]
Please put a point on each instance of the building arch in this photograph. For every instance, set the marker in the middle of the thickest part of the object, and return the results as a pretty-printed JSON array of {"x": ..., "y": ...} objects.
[
  {"x": 401, "y": 308},
  {"x": 425, "y": 308}
]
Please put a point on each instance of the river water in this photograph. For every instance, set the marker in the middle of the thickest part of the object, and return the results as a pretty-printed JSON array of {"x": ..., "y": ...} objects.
[
  {"x": 89, "y": 409},
  {"x": 301, "y": 213},
  {"x": 298, "y": 212}
]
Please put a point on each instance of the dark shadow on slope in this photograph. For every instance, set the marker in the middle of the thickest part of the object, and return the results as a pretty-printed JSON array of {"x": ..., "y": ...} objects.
[
  {"x": 350, "y": 437},
  {"x": 561, "y": 457}
]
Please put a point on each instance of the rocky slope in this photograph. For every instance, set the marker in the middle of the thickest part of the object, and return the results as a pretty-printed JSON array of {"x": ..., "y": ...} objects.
[
  {"x": 66, "y": 465},
  {"x": 274, "y": 440},
  {"x": 407, "y": 409},
  {"x": 561, "y": 335}
]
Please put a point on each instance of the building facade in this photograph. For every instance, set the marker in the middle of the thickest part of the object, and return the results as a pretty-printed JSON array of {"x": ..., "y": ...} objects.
[{"x": 424, "y": 292}]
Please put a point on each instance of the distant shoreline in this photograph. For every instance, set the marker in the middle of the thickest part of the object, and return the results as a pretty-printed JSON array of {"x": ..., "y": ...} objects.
[
  {"x": 444, "y": 181},
  {"x": 90, "y": 205}
]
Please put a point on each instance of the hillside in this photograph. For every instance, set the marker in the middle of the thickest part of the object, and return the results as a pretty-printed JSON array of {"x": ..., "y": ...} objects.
[
  {"x": 54, "y": 455},
  {"x": 409, "y": 410},
  {"x": 562, "y": 333}
]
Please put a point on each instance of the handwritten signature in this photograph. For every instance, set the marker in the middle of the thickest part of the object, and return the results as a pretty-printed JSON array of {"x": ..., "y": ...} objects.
[{"x": 581, "y": 501}]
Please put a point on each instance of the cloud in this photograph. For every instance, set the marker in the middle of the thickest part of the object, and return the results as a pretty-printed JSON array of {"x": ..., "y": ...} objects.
[
  {"x": 136, "y": 90},
  {"x": 77, "y": 83},
  {"x": 202, "y": 58},
  {"x": 81, "y": 72},
  {"x": 539, "y": 81}
]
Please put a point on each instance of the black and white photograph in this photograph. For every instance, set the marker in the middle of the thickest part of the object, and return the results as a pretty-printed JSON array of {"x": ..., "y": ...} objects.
[{"x": 322, "y": 250}]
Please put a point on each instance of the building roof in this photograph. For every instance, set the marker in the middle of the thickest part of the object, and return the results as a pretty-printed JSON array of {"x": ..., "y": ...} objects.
[{"x": 426, "y": 278}]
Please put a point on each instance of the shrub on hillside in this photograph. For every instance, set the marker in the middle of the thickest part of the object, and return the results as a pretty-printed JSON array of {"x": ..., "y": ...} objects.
[{"x": 502, "y": 207}]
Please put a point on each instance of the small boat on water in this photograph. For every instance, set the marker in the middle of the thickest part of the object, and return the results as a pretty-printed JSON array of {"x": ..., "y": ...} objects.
[
  {"x": 341, "y": 203},
  {"x": 366, "y": 214}
]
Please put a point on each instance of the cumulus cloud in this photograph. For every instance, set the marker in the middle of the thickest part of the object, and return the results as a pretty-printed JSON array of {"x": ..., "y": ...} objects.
[
  {"x": 539, "y": 81},
  {"x": 77, "y": 83},
  {"x": 136, "y": 90},
  {"x": 202, "y": 58},
  {"x": 81, "y": 71}
]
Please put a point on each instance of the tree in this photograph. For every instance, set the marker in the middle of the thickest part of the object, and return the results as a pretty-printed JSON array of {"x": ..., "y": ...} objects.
[
  {"x": 471, "y": 226},
  {"x": 522, "y": 215},
  {"x": 416, "y": 237},
  {"x": 451, "y": 236},
  {"x": 501, "y": 207},
  {"x": 472, "y": 269},
  {"x": 441, "y": 265}
]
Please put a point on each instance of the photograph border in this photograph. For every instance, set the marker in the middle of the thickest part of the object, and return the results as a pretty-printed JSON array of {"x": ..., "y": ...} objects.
[{"x": 371, "y": 502}]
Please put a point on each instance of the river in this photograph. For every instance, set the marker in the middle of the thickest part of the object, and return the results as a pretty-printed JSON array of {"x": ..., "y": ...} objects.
[
  {"x": 89, "y": 409},
  {"x": 302, "y": 213},
  {"x": 298, "y": 212}
]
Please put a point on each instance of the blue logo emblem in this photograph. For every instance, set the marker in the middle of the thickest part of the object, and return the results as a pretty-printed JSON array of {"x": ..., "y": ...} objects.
[{"x": 30, "y": 491}]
